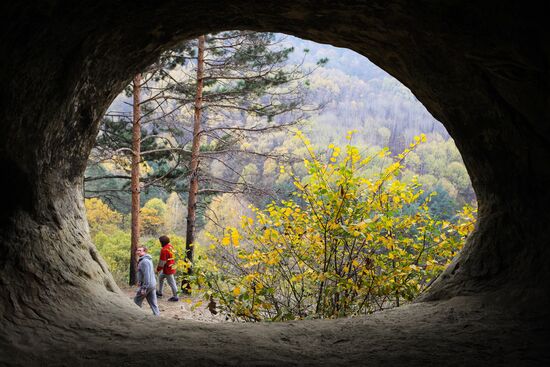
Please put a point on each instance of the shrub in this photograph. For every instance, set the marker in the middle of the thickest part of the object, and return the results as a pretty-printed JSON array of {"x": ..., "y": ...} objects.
[{"x": 348, "y": 243}]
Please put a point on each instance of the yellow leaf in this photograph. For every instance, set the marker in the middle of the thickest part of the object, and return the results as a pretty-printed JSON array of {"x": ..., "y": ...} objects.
[
  {"x": 236, "y": 291},
  {"x": 235, "y": 237}
]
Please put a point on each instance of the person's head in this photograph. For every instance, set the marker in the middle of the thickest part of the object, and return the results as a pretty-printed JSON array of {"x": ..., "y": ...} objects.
[
  {"x": 164, "y": 240},
  {"x": 141, "y": 250}
]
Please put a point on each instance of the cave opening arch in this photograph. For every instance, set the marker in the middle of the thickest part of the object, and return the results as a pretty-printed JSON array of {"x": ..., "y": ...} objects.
[{"x": 482, "y": 73}]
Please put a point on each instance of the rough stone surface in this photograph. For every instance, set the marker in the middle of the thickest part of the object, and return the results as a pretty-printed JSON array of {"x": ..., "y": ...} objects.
[{"x": 482, "y": 69}]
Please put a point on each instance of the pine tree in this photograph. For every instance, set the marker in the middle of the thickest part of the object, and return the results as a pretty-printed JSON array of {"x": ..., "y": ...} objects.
[
  {"x": 242, "y": 87},
  {"x": 136, "y": 157}
]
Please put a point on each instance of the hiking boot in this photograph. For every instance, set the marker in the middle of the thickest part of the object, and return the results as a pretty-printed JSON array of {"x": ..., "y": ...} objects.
[
  {"x": 159, "y": 295},
  {"x": 173, "y": 299}
]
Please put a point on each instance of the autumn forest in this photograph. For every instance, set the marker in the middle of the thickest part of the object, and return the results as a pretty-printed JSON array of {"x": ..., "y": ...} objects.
[{"x": 295, "y": 180}]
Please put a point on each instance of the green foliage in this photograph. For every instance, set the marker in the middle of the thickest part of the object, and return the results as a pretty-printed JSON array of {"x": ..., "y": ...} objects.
[
  {"x": 347, "y": 244},
  {"x": 100, "y": 182},
  {"x": 109, "y": 165},
  {"x": 157, "y": 205},
  {"x": 112, "y": 240},
  {"x": 114, "y": 247},
  {"x": 152, "y": 216}
]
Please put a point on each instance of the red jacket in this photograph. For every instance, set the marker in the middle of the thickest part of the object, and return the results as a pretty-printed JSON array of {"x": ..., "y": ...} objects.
[{"x": 167, "y": 262}]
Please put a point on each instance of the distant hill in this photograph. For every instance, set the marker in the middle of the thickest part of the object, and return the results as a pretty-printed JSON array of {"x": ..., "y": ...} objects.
[{"x": 362, "y": 96}]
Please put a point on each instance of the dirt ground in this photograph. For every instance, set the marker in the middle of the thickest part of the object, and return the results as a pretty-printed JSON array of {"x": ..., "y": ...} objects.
[
  {"x": 187, "y": 308},
  {"x": 109, "y": 330}
]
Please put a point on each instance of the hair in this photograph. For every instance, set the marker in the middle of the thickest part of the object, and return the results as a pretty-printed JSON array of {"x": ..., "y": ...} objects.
[
  {"x": 164, "y": 240},
  {"x": 145, "y": 249}
]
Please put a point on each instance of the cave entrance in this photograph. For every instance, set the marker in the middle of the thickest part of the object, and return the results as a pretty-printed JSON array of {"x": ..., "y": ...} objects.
[{"x": 273, "y": 109}]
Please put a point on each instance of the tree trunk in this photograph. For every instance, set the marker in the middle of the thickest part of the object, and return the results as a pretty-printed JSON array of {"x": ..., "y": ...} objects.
[
  {"x": 136, "y": 148},
  {"x": 194, "y": 179}
]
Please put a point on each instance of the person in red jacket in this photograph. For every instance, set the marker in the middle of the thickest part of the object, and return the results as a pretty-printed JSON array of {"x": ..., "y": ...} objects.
[{"x": 167, "y": 268}]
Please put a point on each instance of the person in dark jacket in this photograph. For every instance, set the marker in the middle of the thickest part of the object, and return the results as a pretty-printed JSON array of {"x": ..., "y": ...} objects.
[{"x": 146, "y": 281}]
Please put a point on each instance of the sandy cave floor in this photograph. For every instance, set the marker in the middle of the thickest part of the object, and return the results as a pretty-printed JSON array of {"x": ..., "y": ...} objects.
[
  {"x": 187, "y": 308},
  {"x": 458, "y": 332}
]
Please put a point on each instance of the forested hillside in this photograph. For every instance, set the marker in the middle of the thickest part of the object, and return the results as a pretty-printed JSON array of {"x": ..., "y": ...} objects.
[{"x": 362, "y": 96}]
